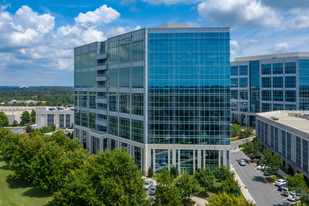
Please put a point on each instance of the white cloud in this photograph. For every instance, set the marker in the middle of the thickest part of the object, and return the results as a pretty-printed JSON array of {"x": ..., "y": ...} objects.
[
  {"x": 170, "y": 2},
  {"x": 233, "y": 46},
  {"x": 281, "y": 47},
  {"x": 103, "y": 14},
  {"x": 238, "y": 13},
  {"x": 300, "y": 22}
]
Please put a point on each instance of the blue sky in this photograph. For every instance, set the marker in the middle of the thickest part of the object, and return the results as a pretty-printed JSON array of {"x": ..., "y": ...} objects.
[{"x": 37, "y": 37}]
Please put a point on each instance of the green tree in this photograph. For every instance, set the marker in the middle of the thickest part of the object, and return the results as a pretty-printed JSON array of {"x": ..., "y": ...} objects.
[
  {"x": 227, "y": 200},
  {"x": 33, "y": 116},
  {"x": 187, "y": 186},
  {"x": 25, "y": 118},
  {"x": 246, "y": 132},
  {"x": 272, "y": 161},
  {"x": 29, "y": 129},
  {"x": 108, "y": 178},
  {"x": 235, "y": 130},
  {"x": 252, "y": 149},
  {"x": 231, "y": 186},
  {"x": 4, "y": 121},
  {"x": 223, "y": 173},
  {"x": 297, "y": 184},
  {"x": 167, "y": 193},
  {"x": 150, "y": 172},
  {"x": 55, "y": 159},
  {"x": 15, "y": 123},
  {"x": 205, "y": 177},
  {"x": 174, "y": 171},
  {"x": 46, "y": 129}
]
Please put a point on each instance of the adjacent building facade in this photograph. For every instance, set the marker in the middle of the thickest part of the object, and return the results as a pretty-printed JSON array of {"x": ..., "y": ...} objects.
[
  {"x": 286, "y": 133},
  {"x": 14, "y": 113},
  {"x": 160, "y": 93},
  {"x": 61, "y": 118},
  {"x": 267, "y": 83}
]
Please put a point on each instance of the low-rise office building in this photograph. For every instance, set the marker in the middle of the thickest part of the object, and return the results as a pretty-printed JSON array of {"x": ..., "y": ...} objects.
[
  {"x": 60, "y": 117},
  {"x": 14, "y": 113},
  {"x": 268, "y": 83},
  {"x": 286, "y": 133}
]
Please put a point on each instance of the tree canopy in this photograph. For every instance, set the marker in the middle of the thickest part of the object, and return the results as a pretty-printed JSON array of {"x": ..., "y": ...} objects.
[
  {"x": 25, "y": 118},
  {"x": 4, "y": 121},
  {"x": 109, "y": 178},
  {"x": 272, "y": 161}
]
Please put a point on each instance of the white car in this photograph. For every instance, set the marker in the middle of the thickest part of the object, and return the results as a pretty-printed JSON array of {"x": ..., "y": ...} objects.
[
  {"x": 242, "y": 162},
  {"x": 285, "y": 191},
  {"x": 152, "y": 190},
  {"x": 148, "y": 184},
  {"x": 281, "y": 182},
  {"x": 292, "y": 197}
]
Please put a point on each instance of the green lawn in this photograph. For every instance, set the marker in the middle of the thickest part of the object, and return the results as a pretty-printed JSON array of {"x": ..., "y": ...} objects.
[{"x": 17, "y": 192}]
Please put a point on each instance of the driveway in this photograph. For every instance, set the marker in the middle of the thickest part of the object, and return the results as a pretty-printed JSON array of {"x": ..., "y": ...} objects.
[{"x": 265, "y": 194}]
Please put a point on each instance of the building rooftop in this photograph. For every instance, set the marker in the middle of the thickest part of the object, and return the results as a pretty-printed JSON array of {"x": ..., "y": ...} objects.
[
  {"x": 273, "y": 56},
  {"x": 295, "y": 119}
]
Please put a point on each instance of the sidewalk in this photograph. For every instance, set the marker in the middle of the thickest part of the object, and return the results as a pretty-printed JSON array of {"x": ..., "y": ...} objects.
[{"x": 243, "y": 187}]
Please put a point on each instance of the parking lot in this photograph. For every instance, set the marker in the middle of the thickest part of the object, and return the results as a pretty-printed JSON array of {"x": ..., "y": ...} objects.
[{"x": 265, "y": 194}]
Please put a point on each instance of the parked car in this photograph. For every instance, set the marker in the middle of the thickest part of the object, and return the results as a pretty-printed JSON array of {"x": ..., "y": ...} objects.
[
  {"x": 242, "y": 162},
  {"x": 280, "y": 187},
  {"x": 292, "y": 197},
  {"x": 281, "y": 182},
  {"x": 148, "y": 184},
  {"x": 285, "y": 191},
  {"x": 152, "y": 190}
]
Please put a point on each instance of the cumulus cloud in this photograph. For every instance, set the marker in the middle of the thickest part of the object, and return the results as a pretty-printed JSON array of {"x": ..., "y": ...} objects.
[
  {"x": 300, "y": 22},
  {"x": 238, "y": 13},
  {"x": 288, "y": 5},
  {"x": 233, "y": 46},
  {"x": 103, "y": 14},
  {"x": 31, "y": 45},
  {"x": 281, "y": 47}
]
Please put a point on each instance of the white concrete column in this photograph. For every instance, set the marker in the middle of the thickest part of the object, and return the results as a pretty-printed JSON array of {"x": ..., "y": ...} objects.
[
  {"x": 154, "y": 161},
  {"x": 199, "y": 165},
  {"x": 194, "y": 161},
  {"x": 174, "y": 157},
  {"x": 168, "y": 157},
  {"x": 178, "y": 161}
]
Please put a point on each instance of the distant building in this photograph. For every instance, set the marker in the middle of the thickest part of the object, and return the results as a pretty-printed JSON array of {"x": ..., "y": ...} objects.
[
  {"x": 160, "y": 93},
  {"x": 27, "y": 102},
  {"x": 14, "y": 113},
  {"x": 267, "y": 83},
  {"x": 286, "y": 133},
  {"x": 61, "y": 117}
]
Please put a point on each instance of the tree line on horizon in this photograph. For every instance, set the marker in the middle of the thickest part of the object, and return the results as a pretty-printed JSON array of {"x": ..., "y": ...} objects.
[{"x": 54, "y": 96}]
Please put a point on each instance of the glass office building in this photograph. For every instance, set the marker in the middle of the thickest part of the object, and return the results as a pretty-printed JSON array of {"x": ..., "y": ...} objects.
[
  {"x": 162, "y": 94},
  {"x": 268, "y": 83}
]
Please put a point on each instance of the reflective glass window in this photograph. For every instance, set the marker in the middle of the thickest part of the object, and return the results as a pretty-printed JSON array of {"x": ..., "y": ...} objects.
[
  {"x": 290, "y": 96},
  {"x": 277, "y": 82},
  {"x": 278, "y": 68},
  {"x": 290, "y": 68},
  {"x": 266, "y": 82},
  {"x": 266, "y": 95},
  {"x": 290, "y": 82},
  {"x": 234, "y": 70},
  {"x": 243, "y": 70},
  {"x": 266, "y": 68}
]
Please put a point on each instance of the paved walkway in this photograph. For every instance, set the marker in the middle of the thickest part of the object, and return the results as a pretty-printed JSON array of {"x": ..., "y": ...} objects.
[{"x": 199, "y": 201}]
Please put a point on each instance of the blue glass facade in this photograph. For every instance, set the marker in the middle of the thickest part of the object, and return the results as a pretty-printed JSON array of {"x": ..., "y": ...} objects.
[
  {"x": 162, "y": 94},
  {"x": 254, "y": 86},
  {"x": 188, "y": 88},
  {"x": 303, "y": 84}
]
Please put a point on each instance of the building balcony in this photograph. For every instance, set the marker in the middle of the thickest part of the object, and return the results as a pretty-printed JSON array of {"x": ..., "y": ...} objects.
[
  {"x": 101, "y": 78},
  {"x": 102, "y": 56},
  {"x": 101, "y": 67}
]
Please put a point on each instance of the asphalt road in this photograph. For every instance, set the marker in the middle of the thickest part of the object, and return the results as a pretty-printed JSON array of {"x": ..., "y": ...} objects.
[{"x": 265, "y": 194}]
